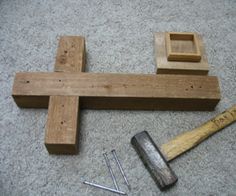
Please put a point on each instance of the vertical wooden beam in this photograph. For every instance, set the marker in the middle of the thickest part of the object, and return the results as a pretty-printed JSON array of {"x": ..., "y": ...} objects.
[
  {"x": 70, "y": 54},
  {"x": 63, "y": 112}
]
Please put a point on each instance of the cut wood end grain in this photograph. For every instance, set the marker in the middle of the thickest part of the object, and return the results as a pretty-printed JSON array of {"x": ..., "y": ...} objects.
[{"x": 62, "y": 148}]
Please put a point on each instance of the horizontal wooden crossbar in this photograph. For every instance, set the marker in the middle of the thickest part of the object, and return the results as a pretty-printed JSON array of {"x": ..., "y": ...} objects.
[{"x": 119, "y": 91}]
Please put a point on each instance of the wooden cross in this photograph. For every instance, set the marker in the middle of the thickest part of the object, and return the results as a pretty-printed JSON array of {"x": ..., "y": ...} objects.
[{"x": 68, "y": 89}]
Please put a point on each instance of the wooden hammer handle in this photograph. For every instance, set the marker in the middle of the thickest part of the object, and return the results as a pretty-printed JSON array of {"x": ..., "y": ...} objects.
[{"x": 190, "y": 139}]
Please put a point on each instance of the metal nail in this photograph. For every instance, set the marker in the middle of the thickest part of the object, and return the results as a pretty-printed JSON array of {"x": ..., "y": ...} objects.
[
  {"x": 104, "y": 188},
  {"x": 120, "y": 168},
  {"x": 110, "y": 170}
]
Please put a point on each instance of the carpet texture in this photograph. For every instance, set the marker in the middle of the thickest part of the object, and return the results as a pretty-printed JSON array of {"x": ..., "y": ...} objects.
[{"x": 119, "y": 38}]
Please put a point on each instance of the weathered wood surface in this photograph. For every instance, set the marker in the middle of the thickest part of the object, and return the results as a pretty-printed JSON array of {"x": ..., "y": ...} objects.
[
  {"x": 61, "y": 136},
  {"x": 71, "y": 54},
  {"x": 120, "y": 91}
]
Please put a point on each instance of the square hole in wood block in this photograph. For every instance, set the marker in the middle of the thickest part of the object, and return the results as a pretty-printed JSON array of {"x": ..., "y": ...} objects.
[
  {"x": 182, "y": 47},
  {"x": 180, "y": 43}
]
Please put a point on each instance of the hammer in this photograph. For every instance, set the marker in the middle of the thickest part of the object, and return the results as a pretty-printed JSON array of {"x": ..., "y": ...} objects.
[{"x": 156, "y": 160}]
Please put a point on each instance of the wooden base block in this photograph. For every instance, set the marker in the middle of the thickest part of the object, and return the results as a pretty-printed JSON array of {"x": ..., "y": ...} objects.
[
  {"x": 182, "y": 47},
  {"x": 181, "y": 66}
]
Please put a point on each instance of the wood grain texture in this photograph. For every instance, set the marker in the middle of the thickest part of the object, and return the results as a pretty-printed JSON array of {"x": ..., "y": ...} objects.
[
  {"x": 62, "y": 124},
  {"x": 71, "y": 55},
  {"x": 178, "y": 67},
  {"x": 121, "y": 91},
  {"x": 63, "y": 111},
  {"x": 190, "y": 139}
]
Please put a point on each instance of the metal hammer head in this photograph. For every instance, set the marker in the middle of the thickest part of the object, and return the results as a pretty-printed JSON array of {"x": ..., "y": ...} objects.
[{"x": 154, "y": 160}]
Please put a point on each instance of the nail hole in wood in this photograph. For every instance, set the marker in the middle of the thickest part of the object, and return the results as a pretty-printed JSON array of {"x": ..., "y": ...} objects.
[
  {"x": 192, "y": 86},
  {"x": 62, "y": 122},
  {"x": 27, "y": 81},
  {"x": 59, "y": 80}
]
